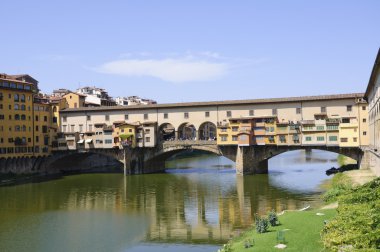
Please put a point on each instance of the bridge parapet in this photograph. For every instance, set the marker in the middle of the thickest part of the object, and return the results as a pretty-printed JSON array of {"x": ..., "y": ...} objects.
[{"x": 188, "y": 143}]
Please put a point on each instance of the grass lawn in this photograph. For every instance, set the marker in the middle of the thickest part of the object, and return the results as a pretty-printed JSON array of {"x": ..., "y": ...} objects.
[{"x": 303, "y": 234}]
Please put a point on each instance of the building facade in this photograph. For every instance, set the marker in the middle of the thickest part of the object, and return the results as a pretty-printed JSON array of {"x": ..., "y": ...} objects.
[
  {"x": 17, "y": 115},
  {"x": 372, "y": 95},
  {"x": 317, "y": 120}
]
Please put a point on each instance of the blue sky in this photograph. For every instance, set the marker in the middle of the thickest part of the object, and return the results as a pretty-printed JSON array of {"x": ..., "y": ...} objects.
[{"x": 175, "y": 51}]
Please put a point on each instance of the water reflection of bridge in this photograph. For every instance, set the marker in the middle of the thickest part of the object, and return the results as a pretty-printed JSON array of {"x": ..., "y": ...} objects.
[
  {"x": 184, "y": 211},
  {"x": 180, "y": 208}
]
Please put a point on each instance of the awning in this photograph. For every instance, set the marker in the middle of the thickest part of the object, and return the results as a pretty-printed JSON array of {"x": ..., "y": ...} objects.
[
  {"x": 88, "y": 140},
  {"x": 81, "y": 141}
]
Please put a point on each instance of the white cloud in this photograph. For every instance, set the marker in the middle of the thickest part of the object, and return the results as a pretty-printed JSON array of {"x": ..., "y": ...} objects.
[{"x": 172, "y": 69}]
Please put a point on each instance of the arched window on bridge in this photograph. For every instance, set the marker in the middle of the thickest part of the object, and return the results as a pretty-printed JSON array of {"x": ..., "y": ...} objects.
[
  {"x": 207, "y": 131},
  {"x": 166, "y": 132},
  {"x": 187, "y": 131}
]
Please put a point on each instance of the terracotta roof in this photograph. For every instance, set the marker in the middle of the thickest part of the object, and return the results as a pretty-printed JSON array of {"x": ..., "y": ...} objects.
[
  {"x": 371, "y": 82},
  {"x": 12, "y": 78},
  {"x": 217, "y": 103}
]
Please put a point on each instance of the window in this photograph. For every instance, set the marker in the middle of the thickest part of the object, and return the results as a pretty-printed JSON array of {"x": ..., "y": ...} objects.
[
  {"x": 146, "y": 116},
  {"x": 332, "y": 127},
  {"x": 126, "y": 117},
  {"x": 16, "y": 107},
  {"x": 308, "y": 139},
  {"x": 147, "y": 139},
  {"x": 108, "y": 141},
  {"x": 207, "y": 114},
  {"x": 186, "y": 115},
  {"x": 235, "y": 129},
  {"x": 166, "y": 116},
  {"x": 45, "y": 118},
  {"x": 107, "y": 117},
  {"x": 54, "y": 119},
  {"x": 344, "y": 139},
  {"x": 274, "y": 111},
  {"x": 323, "y": 109},
  {"x": 23, "y": 107},
  {"x": 320, "y": 138},
  {"x": 17, "y": 117},
  {"x": 320, "y": 127},
  {"x": 234, "y": 138},
  {"x": 17, "y": 98},
  {"x": 80, "y": 127},
  {"x": 88, "y": 118},
  {"x": 72, "y": 128},
  {"x": 349, "y": 108},
  {"x": 364, "y": 120},
  {"x": 23, "y": 117},
  {"x": 223, "y": 130},
  {"x": 90, "y": 127},
  {"x": 364, "y": 107},
  {"x": 37, "y": 128},
  {"x": 355, "y": 139},
  {"x": 251, "y": 113},
  {"x": 298, "y": 110},
  {"x": 364, "y": 133},
  {"x": 147, "y": 131},
  {"x": 346, "y": 120},
  {"x": 36, "y": 118},
  {"x": 282, "y": 139},
  {"x": 37, "y": 139},
  {"x": 229, "y": 114},
  {"x": 64, "y": 128},
  {"x": 223, "y": 138}
]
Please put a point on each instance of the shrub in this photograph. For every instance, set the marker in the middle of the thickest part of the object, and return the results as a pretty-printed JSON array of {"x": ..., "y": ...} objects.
[
  {"x": 272, "y": 218},
  {"x": 357, "y": 223},
  {"x": 261, "y": 224}
]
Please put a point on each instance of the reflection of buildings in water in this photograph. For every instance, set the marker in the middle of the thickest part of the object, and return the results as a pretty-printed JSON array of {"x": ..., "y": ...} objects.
[
  {"x": 179, "y": 207},
  {"x": 182, "y": 208}
]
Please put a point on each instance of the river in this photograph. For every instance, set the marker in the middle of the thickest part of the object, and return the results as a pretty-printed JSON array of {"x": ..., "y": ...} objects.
[{"x": 197, "y": 205}]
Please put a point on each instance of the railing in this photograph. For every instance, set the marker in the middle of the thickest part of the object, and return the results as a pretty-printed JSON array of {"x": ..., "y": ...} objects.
[{"x": 188, "y": 142}]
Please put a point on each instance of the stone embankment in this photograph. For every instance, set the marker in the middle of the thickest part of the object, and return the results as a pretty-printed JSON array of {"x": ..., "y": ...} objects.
[{"x": 57, "y": 164}]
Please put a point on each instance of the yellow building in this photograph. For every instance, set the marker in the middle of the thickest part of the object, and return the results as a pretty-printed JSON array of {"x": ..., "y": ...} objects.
[
  {"x": 124, "y": 134},
  {"x": 16, "y": 115},
  {"x": 73, "y": 100},
  {"x": 270, "y": 130},
  {"x": 349, "y": 132},
  {"x": 227, "y": 132},
  {"x": 43, "y": 130}
]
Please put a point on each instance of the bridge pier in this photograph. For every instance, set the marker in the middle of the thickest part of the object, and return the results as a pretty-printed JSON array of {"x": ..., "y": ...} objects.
[{"x": 248, "y": 161}]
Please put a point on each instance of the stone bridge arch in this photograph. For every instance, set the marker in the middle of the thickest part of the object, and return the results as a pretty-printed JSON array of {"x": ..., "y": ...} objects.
[
  {"x": 252, "y": 160},
  {"x": 96, "y": 160}
]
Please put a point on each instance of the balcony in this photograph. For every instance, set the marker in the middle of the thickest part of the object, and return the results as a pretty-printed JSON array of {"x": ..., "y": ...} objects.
[
  {"x": 245, "y": 131},
  {"x": 259, "y": 132},
  {"x": 260, "y": 124}
]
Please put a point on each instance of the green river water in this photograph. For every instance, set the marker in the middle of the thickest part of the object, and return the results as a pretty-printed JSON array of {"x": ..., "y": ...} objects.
[{"x": 197, "y": 205}]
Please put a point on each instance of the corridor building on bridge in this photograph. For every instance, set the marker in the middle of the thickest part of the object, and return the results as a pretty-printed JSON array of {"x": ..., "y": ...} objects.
[{"x": 332, "y": 120}]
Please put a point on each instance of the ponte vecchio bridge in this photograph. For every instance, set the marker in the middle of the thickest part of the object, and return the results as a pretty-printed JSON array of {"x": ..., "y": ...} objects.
[{"x": 248, "y": 132}]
